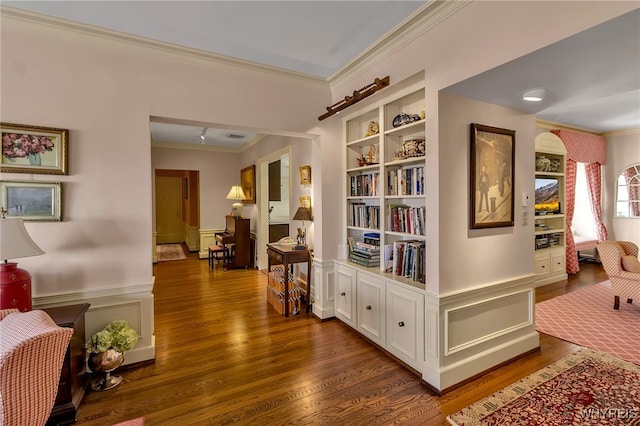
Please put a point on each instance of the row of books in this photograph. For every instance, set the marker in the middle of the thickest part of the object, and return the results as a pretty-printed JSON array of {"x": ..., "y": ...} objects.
[
  {"x": 406, "y": 181},
  {"x": 364, "y": 216},
  {"x": 364, "y": 185},
  {"x": 407, "y": 259},
  {"x": 410, "y": 220}
]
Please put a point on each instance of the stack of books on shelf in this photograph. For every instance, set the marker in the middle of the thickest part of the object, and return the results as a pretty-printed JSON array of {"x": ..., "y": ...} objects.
[
  {"x": 410, "y": 220},
  {"x": 364, "y": 185},
  {"x": 408, "y": 259},
  {"x": 365, "y": 250},
  {"x": 406, "y": 181},
  {"x": 364, "y": 216},
  {"x": 365, "y": 254}
]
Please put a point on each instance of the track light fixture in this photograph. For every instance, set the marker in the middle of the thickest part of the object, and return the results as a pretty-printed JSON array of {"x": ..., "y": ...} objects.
[{"x": 203, "y": 134}]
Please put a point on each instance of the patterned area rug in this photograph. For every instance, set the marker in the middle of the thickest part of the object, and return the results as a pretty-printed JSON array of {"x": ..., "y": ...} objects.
[
  {"x": 586, "y": 317},
  {"x": 586, "y": 388},
  {"x": 170, "y": 252}
]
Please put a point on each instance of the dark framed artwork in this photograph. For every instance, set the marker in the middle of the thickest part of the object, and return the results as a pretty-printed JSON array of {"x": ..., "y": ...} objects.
[
  {"x": 492, "y": 176},
  {"x": 248, "y": 183},
  {"x": 34, "y": 149},
  {"x": 32, "y": 201}
]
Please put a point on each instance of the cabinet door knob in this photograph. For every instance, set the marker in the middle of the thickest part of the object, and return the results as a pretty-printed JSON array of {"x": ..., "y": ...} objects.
[
  {"x": 343, "y": 294},
  {"x": 368, "y": 308},
  {"x": 401, "y": 324}
]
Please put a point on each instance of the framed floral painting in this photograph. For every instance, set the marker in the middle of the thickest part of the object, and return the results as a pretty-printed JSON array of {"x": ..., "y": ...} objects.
[
  {"x": 34, "y": 149},
  {"x": 32, "y": 201}
]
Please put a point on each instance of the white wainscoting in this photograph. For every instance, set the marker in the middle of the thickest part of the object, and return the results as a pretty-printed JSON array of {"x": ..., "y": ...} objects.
[
  {"x": 207, "y": 239},
  {"x": 133, "y": 304},
  {"x": 479, "y": 329},
  {"x": 322, "y": 284},
  {"x": 191, "y": 237}
]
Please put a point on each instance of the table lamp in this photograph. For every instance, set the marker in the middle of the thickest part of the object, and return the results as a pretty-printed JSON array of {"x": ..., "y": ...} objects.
[
  {"x": 302, "y": 214},
  {"x": 236, "y": 193},
  {"x": 15, "y": 283}
]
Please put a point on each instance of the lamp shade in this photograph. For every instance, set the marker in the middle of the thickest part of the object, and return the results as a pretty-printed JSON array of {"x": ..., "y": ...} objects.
[
  {"x": 15, "y": 241},
  {"x": 236, "y": 193},
  {"x": 302, "y": 214}
]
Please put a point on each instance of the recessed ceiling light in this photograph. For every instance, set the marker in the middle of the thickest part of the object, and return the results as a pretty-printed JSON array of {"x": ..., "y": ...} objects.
[{"x": 534, "y": 95}]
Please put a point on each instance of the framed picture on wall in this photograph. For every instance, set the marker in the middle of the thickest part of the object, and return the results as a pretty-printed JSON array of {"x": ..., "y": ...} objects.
[
  {"x": 32, "y": 201},
  {"x": 248, "y": 183},
  {"x": 305, "y": 175},
  {"x": 492, "y": 176},
  {"x": 34, "y": 149}
]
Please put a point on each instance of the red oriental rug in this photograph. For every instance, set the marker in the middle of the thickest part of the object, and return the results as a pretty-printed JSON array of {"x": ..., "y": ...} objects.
[
  {"x": 586, "y": 388},
  {"x": 586, "y": 317}
]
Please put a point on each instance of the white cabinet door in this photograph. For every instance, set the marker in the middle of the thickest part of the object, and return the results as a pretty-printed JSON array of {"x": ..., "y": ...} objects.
[
  {"x": 542, "y": 267},
  {"x": 371, "y": 307},
  {"x": 557, "y": 262},
  {"x": 345, "y": 297},
  {"x": 405, "y": 324}
]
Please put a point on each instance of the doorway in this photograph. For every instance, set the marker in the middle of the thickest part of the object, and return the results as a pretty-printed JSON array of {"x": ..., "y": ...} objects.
[
  {"x": 273, "y": 214},
  {"x": 177, "y": 207}
]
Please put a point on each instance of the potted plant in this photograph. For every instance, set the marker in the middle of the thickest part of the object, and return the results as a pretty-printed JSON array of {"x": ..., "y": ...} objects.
[{"x": 106, "y": 351}]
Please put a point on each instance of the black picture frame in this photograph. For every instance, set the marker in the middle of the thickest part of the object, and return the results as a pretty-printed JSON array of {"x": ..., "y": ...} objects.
[{"x": 492, "y": 174}]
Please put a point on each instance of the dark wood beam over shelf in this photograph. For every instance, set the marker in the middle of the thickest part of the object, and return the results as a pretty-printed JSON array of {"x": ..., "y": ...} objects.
[{"x": 358, "y": 95}]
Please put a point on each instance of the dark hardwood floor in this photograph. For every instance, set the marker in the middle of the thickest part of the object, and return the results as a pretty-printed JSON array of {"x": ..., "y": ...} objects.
[{"x": 224, "y": 356}]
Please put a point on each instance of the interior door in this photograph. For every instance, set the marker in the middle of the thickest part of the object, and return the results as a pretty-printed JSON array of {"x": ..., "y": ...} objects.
[{"x": 168, "y": 209}]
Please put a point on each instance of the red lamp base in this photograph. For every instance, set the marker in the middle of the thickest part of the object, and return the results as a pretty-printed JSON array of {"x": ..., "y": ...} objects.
[{"x": 15, "y": 287}]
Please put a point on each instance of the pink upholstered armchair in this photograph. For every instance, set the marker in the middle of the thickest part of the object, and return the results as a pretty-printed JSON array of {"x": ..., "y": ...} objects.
[
  {"x": 32, "y": 349},
  {"x": 620, "y": 262}
]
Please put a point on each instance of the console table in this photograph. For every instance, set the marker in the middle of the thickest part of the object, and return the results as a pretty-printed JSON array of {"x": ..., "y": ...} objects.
[
  {"x": 281, "y": 254},
  {"x": 73, "y": 380}
]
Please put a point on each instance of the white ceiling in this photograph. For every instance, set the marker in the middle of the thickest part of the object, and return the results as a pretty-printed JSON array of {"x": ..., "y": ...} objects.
[{"x": 593, "y": 77}]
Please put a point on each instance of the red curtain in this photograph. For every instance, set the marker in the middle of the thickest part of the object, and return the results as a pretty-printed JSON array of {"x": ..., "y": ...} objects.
[
  {"x": 632, "y": 187},
  {"x": 592, "y": 150},
  {"x": 570, "y": 194}
]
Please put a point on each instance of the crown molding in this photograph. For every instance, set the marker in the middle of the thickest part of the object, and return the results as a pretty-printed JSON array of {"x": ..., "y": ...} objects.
[
  {"x": 423, "y": 20},
  {"x": 10, "y": 13},
  {"x": 621, "y": 133},
  {"x": 550, "y": 125}
]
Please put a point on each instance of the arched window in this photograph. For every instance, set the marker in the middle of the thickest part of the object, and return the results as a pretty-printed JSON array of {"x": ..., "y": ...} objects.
[{"x": 628, "y": 189}]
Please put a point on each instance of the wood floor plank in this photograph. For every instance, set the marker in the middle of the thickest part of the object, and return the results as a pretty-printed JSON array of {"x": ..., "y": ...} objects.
[{"x": 223, "y": 356}]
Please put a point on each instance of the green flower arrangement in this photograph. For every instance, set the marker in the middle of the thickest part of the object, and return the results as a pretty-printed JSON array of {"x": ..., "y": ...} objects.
[{"x": 117, "y": 335}]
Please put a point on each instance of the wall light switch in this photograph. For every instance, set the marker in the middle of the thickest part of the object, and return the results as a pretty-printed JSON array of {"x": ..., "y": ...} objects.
[{"x": 525, "y": 199}]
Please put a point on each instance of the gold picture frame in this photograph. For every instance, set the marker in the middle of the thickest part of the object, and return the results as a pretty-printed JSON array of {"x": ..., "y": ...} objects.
[
  {"x": 305, "y": 201},
  {"x": 34, "y": 149},
  {"x": 305, "y": 175},
  {"x": 248, "y": 183}
]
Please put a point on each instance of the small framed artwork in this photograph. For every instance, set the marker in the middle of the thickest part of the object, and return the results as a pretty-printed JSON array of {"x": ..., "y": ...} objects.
[
  {"x": 32, "y": 200},
  {"x": 248, "y": 183},
  {"x": 492, "y": 175},
  {"x": 305, "y": 201},
  {"x": 305, "y": 175},
  {"x": 33, "y": 149}
]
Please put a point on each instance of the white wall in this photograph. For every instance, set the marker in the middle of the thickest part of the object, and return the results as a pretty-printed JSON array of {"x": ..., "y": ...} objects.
[
  {"x": 104, "y": 91},
  {"x": 477, "y": 256},
  {"x": 218, "y": 172},
  {"x": 623, "y": 150}
]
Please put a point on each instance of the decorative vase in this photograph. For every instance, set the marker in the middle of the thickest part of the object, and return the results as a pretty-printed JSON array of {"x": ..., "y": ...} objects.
[
  {"x": 34, "y": 159},
  {"x": 105, "y": 362}
]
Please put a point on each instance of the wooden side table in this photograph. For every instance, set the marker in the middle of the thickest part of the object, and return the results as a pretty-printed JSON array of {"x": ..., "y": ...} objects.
[
  {"x": 73, "y": 380},
  {"x": 286, "y": 255}
]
